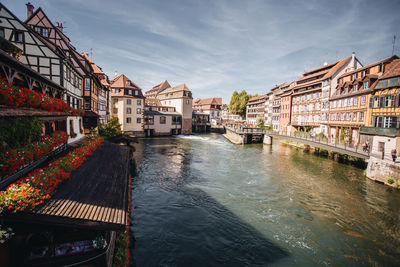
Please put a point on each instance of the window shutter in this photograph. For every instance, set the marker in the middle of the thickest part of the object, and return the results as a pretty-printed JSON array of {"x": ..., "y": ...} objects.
[
  {"x": 397, "y": 100},
  {"x": 382, "y": 102},
  {"x": 371, "y": 102}
]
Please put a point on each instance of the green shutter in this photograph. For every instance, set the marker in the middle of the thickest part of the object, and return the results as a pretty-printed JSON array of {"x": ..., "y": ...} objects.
[{"x": 382, "y": 102}]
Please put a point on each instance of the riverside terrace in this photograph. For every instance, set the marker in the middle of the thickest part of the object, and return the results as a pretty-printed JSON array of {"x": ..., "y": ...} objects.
[{"x": 93, "y": 204}]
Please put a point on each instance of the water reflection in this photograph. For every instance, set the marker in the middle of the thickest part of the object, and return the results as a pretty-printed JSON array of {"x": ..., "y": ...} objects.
[{"x": 199, "y": 197}]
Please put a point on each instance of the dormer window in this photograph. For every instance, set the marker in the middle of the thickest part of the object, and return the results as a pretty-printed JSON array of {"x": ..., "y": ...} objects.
[
  {"x": 19, "y": 36},
  {"x": 136, "y": 92},
  {"x": 128, "y": 83},
  {"x": 42, "y": 31},
  {"x": 129, "y": 92},
  {"x": 356, "y": 87},
  {"x": 366, "y": 85}
]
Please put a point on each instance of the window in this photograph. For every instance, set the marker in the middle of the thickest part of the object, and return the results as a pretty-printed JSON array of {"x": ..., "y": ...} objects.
[
  {"x": 87, "y": 84},
  {"x": 129, "y": 92},
  {"x": 2, "y": 32},
  {"x": 115, "y": 101},
  {"x": 163, "y": 120},
  {"x": 363, "y": 99},
  {"x": 128, "y": 120},
  {"x": 354, "y": 116},
  {"x": 346, "y": 90},
  {"x": 356, "y": 87},
  {"x": 138, "y": 111},
  {"x": 361, "y": 116},
  {"x": 139, "y": 102},
  {"x": 366, "y": 85},
  {"x": 388, "y": 122},
  {"x": 138, "y": 120},
  {"x": 354, "y": 76},
  {"x": 149, "y": 120},
  {"x": 136, "y": 92},
  {"x": 128, "y": 83},
  {"x": 187, "y": 102},
  {"x": 356, "y": 101},
  {"x": 128, "y": 111},
  {"x": 129, "y": 102},
  {"x": 19, "y": 36}
]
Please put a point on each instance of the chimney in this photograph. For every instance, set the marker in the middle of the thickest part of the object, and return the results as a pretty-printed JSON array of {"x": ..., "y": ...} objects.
[
  {"x": 353, "y": 58},
  {"x": 29, "y": 8},
  {"x": 60, "y": 26}
]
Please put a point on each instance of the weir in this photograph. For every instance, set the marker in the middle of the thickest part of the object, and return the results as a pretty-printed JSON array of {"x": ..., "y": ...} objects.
[{"x": 245, "y": 135}]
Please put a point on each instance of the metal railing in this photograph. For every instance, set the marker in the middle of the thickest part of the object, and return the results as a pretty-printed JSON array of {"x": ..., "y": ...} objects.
[
  {"x": 358, "y": 148},
  {"x": 246, "y": 130}
]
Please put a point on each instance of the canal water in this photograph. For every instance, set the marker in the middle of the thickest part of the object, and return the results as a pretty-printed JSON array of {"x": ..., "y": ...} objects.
[{"x": 202, "y": 201}]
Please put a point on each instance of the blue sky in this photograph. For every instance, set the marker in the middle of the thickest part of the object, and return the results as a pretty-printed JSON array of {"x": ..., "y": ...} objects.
[{"x": 217, "y": 46}]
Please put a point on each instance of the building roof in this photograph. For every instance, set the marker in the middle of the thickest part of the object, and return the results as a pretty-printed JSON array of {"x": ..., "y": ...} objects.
[
  {"x": 96, "y": 69},
  {"x": 121, "y": 81},
  {"x": 392, "y": 70},
  {"x": 327, "y": 72},
  {"x": 208, "y": 101},
  {"x": 256, "y": 98},
  {"x": 158, "y": 88},
  {"x": 369, "y": 66},
  {"x": 152, "y": 102}
]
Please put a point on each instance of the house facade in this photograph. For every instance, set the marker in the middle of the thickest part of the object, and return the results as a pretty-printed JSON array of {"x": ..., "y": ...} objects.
[
  {"x": 255, "y": 109},
  {"x": 384, "y": 118},
  {"x": 128, "y": 105},
  {"x": 179, "y": 97},
  {"x": 350, "y": 104},
  {"x": 285, "y": 108},
  {"x": 307, "y": 95},
  {"x": 212, "y": 106}
]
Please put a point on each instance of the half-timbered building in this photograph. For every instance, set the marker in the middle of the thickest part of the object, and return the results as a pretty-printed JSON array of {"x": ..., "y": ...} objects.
[{"x": 349, "y": 105}]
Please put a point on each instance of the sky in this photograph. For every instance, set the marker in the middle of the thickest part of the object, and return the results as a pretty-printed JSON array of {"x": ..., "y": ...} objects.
[{"x": 218, "y": 46}]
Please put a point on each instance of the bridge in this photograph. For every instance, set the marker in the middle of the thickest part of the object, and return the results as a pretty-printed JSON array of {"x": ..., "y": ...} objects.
[{"x": 246, "y": 135}]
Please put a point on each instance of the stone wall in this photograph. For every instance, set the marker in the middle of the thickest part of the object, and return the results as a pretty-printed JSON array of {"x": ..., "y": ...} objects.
[{"x": 381, "y": 170}]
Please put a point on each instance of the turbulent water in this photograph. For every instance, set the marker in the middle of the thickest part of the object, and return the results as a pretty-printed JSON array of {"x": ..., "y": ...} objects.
[{"x": 202, "y": 201}]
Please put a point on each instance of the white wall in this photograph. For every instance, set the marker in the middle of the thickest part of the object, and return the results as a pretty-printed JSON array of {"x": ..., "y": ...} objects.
[{"x": 77, "y": 125}]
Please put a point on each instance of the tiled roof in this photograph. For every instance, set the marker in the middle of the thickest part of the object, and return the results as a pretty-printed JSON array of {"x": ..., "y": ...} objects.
[
  {"x": 152, "y": 102},
  {"x": 159, "y": 87},
  {"x": 327, "y": 70},
  {"x": 254, "y": 98},
  {"x": 208, "y": 101},
  {"x": 121, "y": 82},
  {"x": 392, "y": 70},
  {"x": 181, "y": 87},
  {"x": 96, "y": 69},
  {"x": 369, "y": 66}
]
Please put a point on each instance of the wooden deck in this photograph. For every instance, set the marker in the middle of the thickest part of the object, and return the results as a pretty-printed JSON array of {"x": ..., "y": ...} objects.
[{"x": 96, "y": 196}]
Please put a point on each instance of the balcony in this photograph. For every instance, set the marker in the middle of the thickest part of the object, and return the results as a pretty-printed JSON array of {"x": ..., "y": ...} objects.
[{"x": 380, "y": 131}]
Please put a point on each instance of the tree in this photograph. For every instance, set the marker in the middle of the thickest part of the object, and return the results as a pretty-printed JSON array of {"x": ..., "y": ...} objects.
[
  {"x": 260, "y": 123},
  {"x": 238, "y": 103},
  {"x": 112, "y": 128}
]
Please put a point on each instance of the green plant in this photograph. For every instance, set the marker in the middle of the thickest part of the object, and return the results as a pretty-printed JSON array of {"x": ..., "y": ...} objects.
[
  {"x": 390, "y": 180},
  {"x": 112, "y": 128},
  {"x": 17, "y": 132},
  {"x": 121, "y": 252},
  {"x": 260, "y": 123}
]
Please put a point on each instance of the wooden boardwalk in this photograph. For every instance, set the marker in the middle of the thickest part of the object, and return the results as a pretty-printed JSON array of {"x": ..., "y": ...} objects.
[{"x": 96, "y": 196}]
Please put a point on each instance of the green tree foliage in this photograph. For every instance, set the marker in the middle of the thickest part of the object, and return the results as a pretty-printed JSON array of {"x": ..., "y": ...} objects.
[
  {"x": 17, "y": 132},
  {"x": 112, "y": 128},
  {"x": 260, "y": 123},
  {"x": 238, "y": 103}
]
